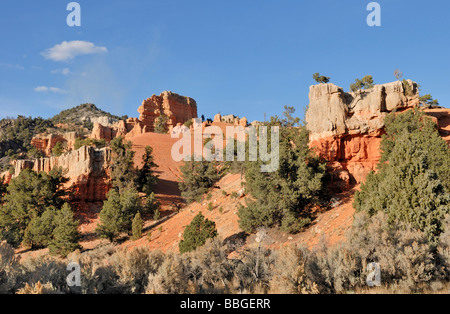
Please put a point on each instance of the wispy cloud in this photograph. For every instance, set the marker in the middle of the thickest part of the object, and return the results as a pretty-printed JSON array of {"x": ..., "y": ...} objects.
[
  {"x": 11, "y": 66},
  {"x": 45, "y": 89},
  {"x": 65, "y": 71},
  {"x": 68, "y": 50}
]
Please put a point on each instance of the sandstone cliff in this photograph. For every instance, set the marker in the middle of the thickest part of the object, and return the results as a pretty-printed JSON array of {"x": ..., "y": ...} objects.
[
  {"x": 346, "y": 128},
  {"x": 87, "y": 169}
]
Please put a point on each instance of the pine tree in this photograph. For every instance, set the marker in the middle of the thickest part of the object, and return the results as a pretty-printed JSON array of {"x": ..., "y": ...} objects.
[
  {"x": 320, "y": 79},
  {"x": 65, "y": 235},
  {"x": 109, "y": 227},
  {"x": 137, "y": 227},
  {"x": 406, "y": 188},
  {"x": 28, "y": 197},
  {"x": 196, "y": 234},
  {"x": 147, "y": 179},
  {"x": 39, "y": 232},
  {"x": 123, "y": 172},
  {"x": 365, "y": 83},
  {"x": 118, "y": 212},
  {"x": 282, "y": 198},
  {"x": 198, "y": 177},
  {"x": 422, "y": 128},
  {"x": 3, "y": 189},
  {"x": 151, "y": 205},
  {"x": 58, "y": 150},
  {"x": 161, "y": 124}
]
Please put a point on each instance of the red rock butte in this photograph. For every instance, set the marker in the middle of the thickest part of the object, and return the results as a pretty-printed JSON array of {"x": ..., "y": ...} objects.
[{"x": 178, "y": 109}]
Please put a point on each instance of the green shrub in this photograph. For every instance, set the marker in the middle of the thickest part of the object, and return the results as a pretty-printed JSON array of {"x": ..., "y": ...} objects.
[
  {"x": 137, "y": 227},
  {"x": 196, "y": 234}
]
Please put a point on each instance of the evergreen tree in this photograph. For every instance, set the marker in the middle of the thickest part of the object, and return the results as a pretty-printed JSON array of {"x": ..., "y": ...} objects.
[
  {"x": 118, "y": 212},
  {"x": 58, "y": 150},
  {"x": 138, "y": 225},
  {"x": 3, "y": 189},
  {"x": 109, "y": 227},
  {"x": 65, "y": 235},
  {"x": 406, "y": 187},
  {"x": 161, "y": 124},
  {"x": 198, "y": 177},
  {"x": 123, "y": 172},
  {"x": 28, "y": 197},
  {"x": 428, "y": 100},
  {"x": 147, "y": 179},
  {"x": 39, "y": 232},
  {"x": 196, "y": 234},
  {"x": 320, "y": 79},
  {"x": 151, "y": 205},
  {"x": 282, "y": 198},
  {"x": 365, "y": 83},
  {"x": 426, "y": 133}
]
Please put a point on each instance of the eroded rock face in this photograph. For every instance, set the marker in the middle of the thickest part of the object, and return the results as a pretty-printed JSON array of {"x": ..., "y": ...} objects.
[
  {"x": 346, "y": 128},
  {"x": 129, "y": 128},
  {"x": 332, "y": 112},
  {"x": 87, "y": 169},
  {"x": 45, "y": 143},
  {"x": 178, "y": 109}
]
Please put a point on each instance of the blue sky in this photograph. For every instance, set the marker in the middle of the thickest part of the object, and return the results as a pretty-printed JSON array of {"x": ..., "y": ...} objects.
[{"x": 242, "y": 57}]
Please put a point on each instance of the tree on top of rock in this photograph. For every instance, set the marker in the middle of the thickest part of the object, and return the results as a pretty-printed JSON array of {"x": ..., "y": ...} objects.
[
  {"x": 365, "y": 83},
  {"x": 321, "y": 79}
]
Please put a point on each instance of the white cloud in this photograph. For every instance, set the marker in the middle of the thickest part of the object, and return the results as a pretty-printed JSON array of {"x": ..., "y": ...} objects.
[
  {"x": 65, "y": 71},
  {"x": 45, "y": 89},
  {"x": 69, "y": 50}
]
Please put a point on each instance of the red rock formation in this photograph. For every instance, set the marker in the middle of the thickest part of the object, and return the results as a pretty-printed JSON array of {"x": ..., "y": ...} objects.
[
  {"x": 442, "y": 117},
  {"x": 45, "y": 143},
  {"x": 86, "y": 168},
  {"x": 178, "y": 108},
  {"x": 346, "y": 128}
]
